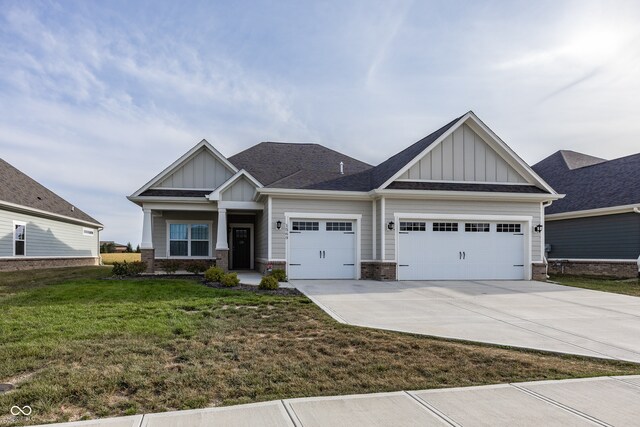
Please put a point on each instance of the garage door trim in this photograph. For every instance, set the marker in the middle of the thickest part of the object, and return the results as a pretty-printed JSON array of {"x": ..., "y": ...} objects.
[
  {"x": 288, "y": 216},
  {"x": 528, "y": 220}
]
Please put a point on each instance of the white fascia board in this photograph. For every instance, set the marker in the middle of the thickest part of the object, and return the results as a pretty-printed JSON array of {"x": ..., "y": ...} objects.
[
  {"x": 181, "y": 160},
  {"x": 613, "y": 210},
  {"x": 240, "y": 205},
  {"x": 180, "y": 206},
  {"x": 466, "y": 195},
  {"x": 40, "y": 212},
  {"x": 215, "y": 194},
  {"x": 303, "y": 193},
  {"x": 431, "y": 146}
]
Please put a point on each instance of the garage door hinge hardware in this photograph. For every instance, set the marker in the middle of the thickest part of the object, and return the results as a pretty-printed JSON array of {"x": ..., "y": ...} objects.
[
  {"x": 518, "y": 265},
  {"x": 403, "y": 232},
  {"x": 403, "y": 265},
  {"x": 518, "y": 234},
  {"x": 349, "y": 232},
  {"x": 348, "y": 264},
  {"x": 295, "y": 232},
  {"x": 295, "y": 264}
]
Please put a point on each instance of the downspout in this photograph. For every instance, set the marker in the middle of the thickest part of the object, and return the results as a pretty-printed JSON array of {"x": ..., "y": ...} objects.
[
  {"x": 544, "y": 255},
  {"x": 637, "y": 210}
]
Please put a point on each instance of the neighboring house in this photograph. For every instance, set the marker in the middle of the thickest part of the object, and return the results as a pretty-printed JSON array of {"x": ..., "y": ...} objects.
[
  {"x": 458, "y": 204},
  {"x": 39, "y": 229},
  {"x": 115, "y": 247},
  {"x": 595, "y": 229}
]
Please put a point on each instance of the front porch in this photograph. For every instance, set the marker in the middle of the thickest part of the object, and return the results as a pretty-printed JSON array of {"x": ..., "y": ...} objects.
[{"x": 227, "y": 238}]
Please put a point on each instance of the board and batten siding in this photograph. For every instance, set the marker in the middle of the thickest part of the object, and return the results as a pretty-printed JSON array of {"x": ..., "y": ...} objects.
[
  {"x": 159, "y": 235},
  {"x": 202, "y": 170},
  {"x": 47, "y": 237},
  {"x": 240, "y": 191},
  {"x": 462, "y": 208},
  {"x": 353, "y": 207},
  {"x": 597, "y": 237},
  {"x": 463, "y": 156}
]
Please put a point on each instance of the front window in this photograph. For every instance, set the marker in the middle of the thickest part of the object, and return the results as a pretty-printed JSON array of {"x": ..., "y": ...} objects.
[
  {"x": 189, "y": 240},
  {"x": 19, "y": 239}
]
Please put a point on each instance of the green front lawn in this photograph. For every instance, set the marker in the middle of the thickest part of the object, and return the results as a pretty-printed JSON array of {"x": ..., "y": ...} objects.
[
  {"x": 80, "y": 347},
  {"x": 618, "y": 286}
]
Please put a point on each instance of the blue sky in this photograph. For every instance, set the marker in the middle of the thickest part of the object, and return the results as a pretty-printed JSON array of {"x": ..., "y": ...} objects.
[{"x": 98, "y": 97}]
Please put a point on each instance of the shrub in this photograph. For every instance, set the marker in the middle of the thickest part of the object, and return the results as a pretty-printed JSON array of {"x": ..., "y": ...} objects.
[
  {"x": 279, "y": 274},
  {"x": 197, "y": 267},
  {"x": 268, "y": 282},
  {"x": 171, "y": 266},
  {"x": 214, "y": 274},
  {"x": 128, "y": 268},
  {"x": 230, "y": 279}
]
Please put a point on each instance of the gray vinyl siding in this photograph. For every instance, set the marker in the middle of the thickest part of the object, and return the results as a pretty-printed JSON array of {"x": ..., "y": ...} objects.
[
  {"x": 463, "y": 156},
  {"x": 159, "y": 235},
  {"x": 261, "y": 238},
  {"x": 463, "y": 208},
  {"x": 202, "y": 170},
  {"x": 598, "y": 237},
  {"x": 47, "y": 237},
  {"x": 357, "y": 207}
]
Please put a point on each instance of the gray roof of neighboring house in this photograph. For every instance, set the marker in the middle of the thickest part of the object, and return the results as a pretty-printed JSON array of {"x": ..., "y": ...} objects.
[
  {"x": 18, "y": 188},
  {"x": 598, "y": 184}
]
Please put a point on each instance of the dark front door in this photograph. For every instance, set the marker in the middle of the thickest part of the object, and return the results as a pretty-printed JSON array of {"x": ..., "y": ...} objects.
[{"x": 241, "y": 252}]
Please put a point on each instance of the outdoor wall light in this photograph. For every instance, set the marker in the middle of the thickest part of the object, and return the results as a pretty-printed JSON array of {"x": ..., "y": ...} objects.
[
  {"x": 278, "y": 225},
  {"x": 390, "y": 225},
  {"x": 538, "y": 228}
]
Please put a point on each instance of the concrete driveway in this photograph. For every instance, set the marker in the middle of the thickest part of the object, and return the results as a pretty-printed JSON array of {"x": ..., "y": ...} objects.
[{"x": 516, "y": 313}]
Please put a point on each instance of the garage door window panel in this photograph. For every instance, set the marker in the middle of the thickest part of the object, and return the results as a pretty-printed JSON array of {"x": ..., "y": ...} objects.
[
  {"x": 305, "y": 226},
  {"x": 477, "y": 227},
  {"x": 509, "y": 228},
  {"x": 413, "y": 226},
  {"x": 445, "y": 226},
  {"x": 339, "y": 226}
]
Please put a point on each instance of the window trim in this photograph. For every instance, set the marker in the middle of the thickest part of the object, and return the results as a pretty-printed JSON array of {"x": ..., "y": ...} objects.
[
  {"x": 189, "y": 223},
  {"x": 13, "y": 238}
]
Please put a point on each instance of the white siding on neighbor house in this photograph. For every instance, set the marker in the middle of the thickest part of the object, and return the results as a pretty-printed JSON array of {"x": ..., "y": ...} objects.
[
  {"x": 355, "y": 207},
  {"x": 241, "y": 191},
  {"x": 159, "y": 235},
  {"x": 261, "y": 238},
  {"x": 202, "y": 170},
  {"x": 463, "y": 156},
  {"x": 47, "y": 237},
  {"x": 463, "y": 208}
]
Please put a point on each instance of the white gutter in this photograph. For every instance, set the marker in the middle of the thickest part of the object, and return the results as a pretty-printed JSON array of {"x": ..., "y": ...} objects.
[
  {"x": 40, "y": 212},
  {"x": 612, "y": 210}
]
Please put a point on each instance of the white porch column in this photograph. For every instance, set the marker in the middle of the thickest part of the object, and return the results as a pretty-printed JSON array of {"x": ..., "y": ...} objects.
[
  {"x": 147, "y": 242},
  {"x": 221, "y": 240}
]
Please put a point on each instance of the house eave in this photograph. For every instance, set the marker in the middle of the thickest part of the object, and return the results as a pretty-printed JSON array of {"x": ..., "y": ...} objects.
[
  {"x": 466, "y": 195},
  {"x": 304, "y": 193},
  {"x": 43, "y": 213},
  {"x": 612, "y": 210}
]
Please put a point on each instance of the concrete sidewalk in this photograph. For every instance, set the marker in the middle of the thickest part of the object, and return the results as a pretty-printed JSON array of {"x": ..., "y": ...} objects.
[{"x": 604, "y": 401}]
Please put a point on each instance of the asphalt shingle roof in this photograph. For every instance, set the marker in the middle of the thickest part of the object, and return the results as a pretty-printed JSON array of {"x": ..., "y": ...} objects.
[
  {"x": 294, "y": 165},
  {"x": 459, "y": 186},
  {"x": 175, "y": 193},
  {"x": 18, "y": 188},
  {"x": 598, "y": 185}
]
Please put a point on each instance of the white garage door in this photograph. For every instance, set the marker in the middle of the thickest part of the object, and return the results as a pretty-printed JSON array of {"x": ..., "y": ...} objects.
[
  {"x": 450, "y": 250},
  {"x": 322, "y": 249}
]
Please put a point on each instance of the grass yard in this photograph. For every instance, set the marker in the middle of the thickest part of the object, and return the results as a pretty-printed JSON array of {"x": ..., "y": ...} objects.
[
  {"x": 77, "y": 347},
  {"x": 618, "y": 286},
  {"x": 109, "y": 259}
]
